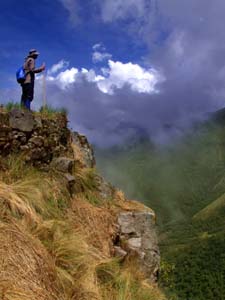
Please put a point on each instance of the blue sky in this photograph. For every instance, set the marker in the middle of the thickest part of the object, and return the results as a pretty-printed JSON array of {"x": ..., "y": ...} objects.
[
  {"x": 119, "y": 66},
  {"x": 46, "y": 25}
]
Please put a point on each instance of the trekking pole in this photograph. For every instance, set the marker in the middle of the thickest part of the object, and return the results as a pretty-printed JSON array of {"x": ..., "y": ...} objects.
[{"x": 44, "y": 91}]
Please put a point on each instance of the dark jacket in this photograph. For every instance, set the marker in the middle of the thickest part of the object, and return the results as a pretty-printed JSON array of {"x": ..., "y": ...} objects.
[{"x": 30, "y": 69}]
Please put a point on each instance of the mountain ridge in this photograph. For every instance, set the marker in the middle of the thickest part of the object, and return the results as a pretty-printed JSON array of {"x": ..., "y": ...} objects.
[{"x": 184, "y": 182}]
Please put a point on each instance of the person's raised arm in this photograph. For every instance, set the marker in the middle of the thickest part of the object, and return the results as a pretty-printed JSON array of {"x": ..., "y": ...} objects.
[{"x": 39, "y": 70}]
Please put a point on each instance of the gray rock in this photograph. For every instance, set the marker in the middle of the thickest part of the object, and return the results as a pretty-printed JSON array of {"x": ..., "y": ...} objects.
[
  {"x": 134, "y": 243},
  {"x": 21, "y": 136},
  {"x": 137, "y": 235},
  {"x": 105, "y": 189},
  {"x": 37, "y": 140},
  {"x": 125, "y": 220},
  {"x": 37, "y": 122},
  {"x": 70, "y": 182},
  {"x": 119, "y": 252},
  {"x": 63, "y": 164},
  {"x": 22, "y": 120},
  {"x": 70, "y": 178},
  {"x": 37, "y": 153},
  {"x": 24, "y": 147}
]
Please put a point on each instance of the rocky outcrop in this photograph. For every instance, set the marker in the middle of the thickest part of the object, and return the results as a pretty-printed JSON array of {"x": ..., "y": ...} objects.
[
  {"x": 86, "y": 156},
  {"x": 37, "y": 138},
  {"x": 46, "y": 142},
  {"x": 137, "y": 238}
]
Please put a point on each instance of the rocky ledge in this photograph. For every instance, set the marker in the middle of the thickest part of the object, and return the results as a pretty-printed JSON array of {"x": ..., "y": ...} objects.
[
  {"x": 39, "y": 138},
  {"x": 46, "y": 143}
]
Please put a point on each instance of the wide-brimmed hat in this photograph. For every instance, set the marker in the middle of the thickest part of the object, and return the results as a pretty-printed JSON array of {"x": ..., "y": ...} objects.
[{"x": 33, "y": 52}]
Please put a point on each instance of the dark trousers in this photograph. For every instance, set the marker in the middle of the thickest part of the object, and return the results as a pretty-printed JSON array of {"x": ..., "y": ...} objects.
[{"x": 27, "y": 94}]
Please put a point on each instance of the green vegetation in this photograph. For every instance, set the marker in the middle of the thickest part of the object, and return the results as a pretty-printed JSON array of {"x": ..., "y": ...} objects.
[
  {"x": 199, "y": 271},
  {"x": 184, "y": 183},
  {"x": 49, "y": 110},
  {"x": 11, "y": 105}
]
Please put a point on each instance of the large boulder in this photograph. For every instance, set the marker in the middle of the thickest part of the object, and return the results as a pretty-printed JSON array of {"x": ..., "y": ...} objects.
[
  {"x": 22, "y": 120},
  {"x": 137, "y": 236}
]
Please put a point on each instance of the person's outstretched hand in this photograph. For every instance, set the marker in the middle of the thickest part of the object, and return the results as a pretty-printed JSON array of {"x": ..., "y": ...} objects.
[{"x": 43, "y": 67}]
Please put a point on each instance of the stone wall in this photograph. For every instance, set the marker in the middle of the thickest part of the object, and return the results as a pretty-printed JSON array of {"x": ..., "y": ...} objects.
[{"x": 37, "y": 138}]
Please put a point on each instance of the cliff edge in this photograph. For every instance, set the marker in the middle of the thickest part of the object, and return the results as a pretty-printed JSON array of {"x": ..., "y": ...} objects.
[{"x": 65, "y": 233}]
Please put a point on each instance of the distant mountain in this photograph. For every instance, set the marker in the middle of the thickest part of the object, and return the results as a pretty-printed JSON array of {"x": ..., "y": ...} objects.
[
  {"x": 218, "y": 116},
  {"x": 134, "y": 134},
  {"x": 184, "y": 182}
]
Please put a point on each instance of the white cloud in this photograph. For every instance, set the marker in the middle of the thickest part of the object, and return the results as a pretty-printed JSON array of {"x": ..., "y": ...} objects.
[
  {"x": 56, "y": 67},
  {"x": 97, "y": 47},
  {"x": 100, "y": 53},
  {"x": 139, "y": 79},
  {"x": 91, "y": 76},
  {"x": 112, "y": 10},
  {"x": 116, "y": 76},
  {"x": 99, "y": 57},
  {"x": 65, "y": 78},
  {"x": 72, "y": 7}
]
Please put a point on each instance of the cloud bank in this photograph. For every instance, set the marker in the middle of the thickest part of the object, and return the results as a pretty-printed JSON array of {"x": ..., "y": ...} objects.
[
  {"x": 101, "y": 103},
  {"x": 179, "y": 79},
  {"x": 116, "y": 76}
]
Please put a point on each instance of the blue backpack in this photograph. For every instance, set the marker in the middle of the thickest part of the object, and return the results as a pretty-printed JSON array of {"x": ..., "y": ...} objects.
[{"x": 20, "y": 75}]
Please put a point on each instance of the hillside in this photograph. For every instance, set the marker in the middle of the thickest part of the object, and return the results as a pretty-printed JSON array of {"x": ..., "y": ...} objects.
[
  {"x": 65, "y": 233},
  {"x": 185, "y": 184}
]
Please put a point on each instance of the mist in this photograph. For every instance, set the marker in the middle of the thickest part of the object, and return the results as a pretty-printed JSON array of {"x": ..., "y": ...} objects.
[{"x": 176, "y": 180}]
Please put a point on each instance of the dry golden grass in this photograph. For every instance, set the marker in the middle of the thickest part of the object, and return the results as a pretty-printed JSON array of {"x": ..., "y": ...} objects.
[
  {"x": 14, "y": 169},
  {"x": 85, "y": 180},
  {"x": 122, "y": 203},
  {"x": 26, "y": 269},
  {"x": 69, "y": 251},
  {"x": 55, "y": 247},
  {"x": 19, "y": 207},
  {"x": 124, "y": 283},
  {"x": 96, "y": 223},
  {"x": 77, "y": 154},
  {"x": 32, "y": 198}
]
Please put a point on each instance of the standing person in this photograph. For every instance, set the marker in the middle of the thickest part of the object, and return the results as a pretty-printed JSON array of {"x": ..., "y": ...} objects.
[{"x": 28, "y": 85}]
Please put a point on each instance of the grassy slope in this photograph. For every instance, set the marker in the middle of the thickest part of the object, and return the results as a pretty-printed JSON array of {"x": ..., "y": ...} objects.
[
  {"x": 53, "y": 246},
  {"x": 212, "y": 210},
  {"x": 184, "y": 184}
]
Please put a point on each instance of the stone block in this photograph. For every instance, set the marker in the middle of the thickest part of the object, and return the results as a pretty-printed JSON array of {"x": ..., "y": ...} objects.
[{"x": 22, "y": 120}]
